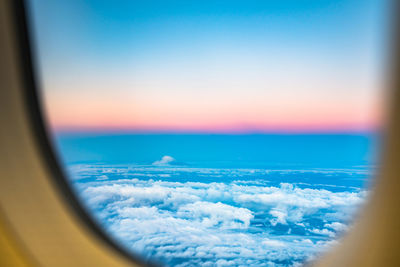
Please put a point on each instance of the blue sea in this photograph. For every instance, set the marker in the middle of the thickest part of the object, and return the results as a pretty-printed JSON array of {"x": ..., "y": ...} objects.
[{"x": 222, "y": 200}]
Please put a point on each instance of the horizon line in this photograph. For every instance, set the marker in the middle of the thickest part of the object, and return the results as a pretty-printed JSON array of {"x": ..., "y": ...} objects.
[{"x": 210, "y": 132}]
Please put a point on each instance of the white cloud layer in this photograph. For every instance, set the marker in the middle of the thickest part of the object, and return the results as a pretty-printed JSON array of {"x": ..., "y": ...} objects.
[{"x": 217, "y": 223}]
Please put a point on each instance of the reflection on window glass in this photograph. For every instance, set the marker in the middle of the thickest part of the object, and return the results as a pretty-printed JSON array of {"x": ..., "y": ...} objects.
[{"x": 215, "y": 133}]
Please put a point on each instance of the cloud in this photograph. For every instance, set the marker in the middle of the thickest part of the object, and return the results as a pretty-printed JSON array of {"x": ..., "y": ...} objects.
[
  {"x": 323, "y": 232},
  {"x": 165, "y": 160},
  {"x": 102, "y": 177},
  {"x": 273, "y": 243},
  {"x": 337, "y": 226},
  {"x": 186, "y": 223},
  {"x": 279, "y": 217},
  {"x": 216, "y": 214}
]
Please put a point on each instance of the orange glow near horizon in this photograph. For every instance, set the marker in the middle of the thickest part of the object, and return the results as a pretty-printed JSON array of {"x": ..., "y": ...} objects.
[{"x": 234, "y": 114}]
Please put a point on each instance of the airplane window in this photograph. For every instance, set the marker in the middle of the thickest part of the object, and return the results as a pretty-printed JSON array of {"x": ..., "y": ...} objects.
[{"x": 216, "y": 133}]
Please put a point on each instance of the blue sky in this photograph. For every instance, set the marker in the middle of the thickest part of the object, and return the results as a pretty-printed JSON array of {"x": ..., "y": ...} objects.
[{"x": 227, "y": 65}]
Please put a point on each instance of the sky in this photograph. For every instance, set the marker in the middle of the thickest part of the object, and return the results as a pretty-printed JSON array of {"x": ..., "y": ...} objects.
[{"x": 211, "y": 66}]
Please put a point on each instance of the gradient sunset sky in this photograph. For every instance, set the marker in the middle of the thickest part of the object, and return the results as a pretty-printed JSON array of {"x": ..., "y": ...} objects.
[{"x": 211, "y": 66}]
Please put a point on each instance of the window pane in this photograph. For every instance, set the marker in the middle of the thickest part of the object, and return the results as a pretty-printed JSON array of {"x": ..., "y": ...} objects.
[{"x": 216, "y": 133}]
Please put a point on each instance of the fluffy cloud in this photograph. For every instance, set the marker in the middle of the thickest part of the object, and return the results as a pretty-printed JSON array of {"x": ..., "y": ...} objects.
[
  {"x": 165, "y": 160},
  {"x": 185, "y": 223},
  {"x": 216, "y": 214},
  {"x": 323, "y": 232},
  {"x": 337, "y": 226}
]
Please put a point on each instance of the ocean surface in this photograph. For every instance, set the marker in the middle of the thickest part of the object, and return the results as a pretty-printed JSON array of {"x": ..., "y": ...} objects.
[{"x": 221, "y": 200}]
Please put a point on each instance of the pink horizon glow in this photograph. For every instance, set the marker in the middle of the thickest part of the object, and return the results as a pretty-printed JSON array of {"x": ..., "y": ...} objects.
[
  {"x": 330, "y": 127},
  {"x": 303, "y": 118}
]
